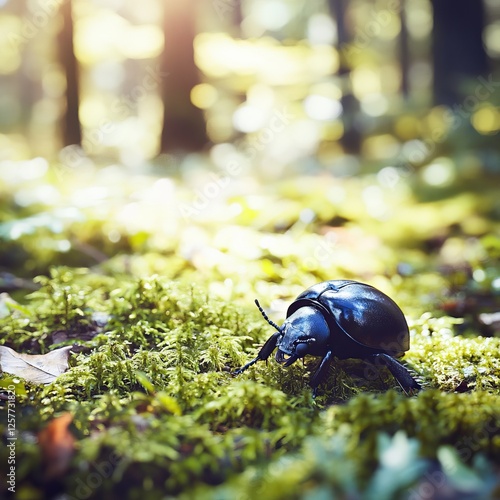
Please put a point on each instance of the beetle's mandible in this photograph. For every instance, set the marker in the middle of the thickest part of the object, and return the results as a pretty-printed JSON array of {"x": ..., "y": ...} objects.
[{"x": 341, "y": 318}]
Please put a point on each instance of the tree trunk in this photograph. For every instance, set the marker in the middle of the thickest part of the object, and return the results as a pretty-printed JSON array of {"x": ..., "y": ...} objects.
[
  {"x": 458, "y": 50},
  {"x": 351, "y": 139},
  {"x": 404, "y": 52},
  {"x": 183, "y": 123},
  {"x": 72, "y": 133},
  {"x": 237, "y": 17}
]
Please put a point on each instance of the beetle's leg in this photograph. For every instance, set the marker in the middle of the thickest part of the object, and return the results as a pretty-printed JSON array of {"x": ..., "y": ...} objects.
[
  {"x": 264, "y": 353},
  {"x": 321, "y": 372},
  {"x": 399, "y": 372}
]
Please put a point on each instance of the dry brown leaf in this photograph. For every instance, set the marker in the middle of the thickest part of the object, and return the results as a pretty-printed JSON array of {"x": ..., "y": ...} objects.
[
  {"x": 57, "y": 445},
  {"x": 36, "y": 368}
]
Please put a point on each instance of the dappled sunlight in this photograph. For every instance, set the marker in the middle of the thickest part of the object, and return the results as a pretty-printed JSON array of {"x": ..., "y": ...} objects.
[
  {"x": 11, "y": 58},
  {"x": 118, "y": 47},
  {"x": 163, "y": 164},
  {"x": 104, "y": 36},
  {"x": 263, "y": 59}
]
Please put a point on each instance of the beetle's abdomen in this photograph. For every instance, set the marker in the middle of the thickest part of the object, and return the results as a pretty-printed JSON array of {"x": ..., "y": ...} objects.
[{"x": 360, "y": 316}]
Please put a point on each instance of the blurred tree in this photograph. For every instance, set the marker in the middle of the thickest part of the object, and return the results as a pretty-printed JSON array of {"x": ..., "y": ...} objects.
[
  {"x": 458, "y": 50},
  {"x": 237, "y": 17},
  {"x": 183, "y": 123},
  {"x": 404, "y": 52},
  {"x": 72, "y": 133},
  {"x": 351, "y": 139},
  {"x": 15, "y": 85}
]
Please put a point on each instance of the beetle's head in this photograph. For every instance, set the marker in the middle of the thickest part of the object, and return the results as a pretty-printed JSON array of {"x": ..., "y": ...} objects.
[{"x": 304, "y": 332}]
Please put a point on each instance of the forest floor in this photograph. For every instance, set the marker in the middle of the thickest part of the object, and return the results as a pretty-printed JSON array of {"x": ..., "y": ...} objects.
[{"x": 152, "y": 280}]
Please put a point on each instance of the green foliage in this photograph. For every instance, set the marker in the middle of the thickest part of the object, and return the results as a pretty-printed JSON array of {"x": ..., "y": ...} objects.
[
  {"x": 323, "y": 469},
  {"x": 154, "y": 402}
]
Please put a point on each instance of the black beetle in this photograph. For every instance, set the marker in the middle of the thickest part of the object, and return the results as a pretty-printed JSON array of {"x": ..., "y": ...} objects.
[{"x": 341, "y": 318}]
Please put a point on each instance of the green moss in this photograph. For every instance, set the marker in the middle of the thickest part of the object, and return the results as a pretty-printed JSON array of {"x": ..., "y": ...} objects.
[
  {"x": 434, "y": 417},
  {"x": 453, "y": 362},
  {"x": 154, "y": 402}
]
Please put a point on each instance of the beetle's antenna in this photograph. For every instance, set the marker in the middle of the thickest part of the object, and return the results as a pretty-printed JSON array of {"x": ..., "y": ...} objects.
[{"x": 272, "y": 323}]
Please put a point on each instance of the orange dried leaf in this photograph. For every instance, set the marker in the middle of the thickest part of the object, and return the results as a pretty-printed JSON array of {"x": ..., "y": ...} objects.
[{"x": 57, "y": 445}]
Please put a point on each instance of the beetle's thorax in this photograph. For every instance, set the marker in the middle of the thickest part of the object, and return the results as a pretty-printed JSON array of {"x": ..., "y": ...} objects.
[{"x": 304, "y": 332}]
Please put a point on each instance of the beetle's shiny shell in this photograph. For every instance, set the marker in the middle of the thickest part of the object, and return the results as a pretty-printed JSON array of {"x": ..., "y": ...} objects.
[{"x": 362, "y": 319}]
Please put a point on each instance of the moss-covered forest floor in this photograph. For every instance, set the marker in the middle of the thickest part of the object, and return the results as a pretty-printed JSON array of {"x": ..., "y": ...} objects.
[{"x": 152, "y": 280}]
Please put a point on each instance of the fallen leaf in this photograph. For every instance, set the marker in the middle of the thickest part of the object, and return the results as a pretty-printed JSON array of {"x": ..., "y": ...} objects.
[
  {"x": 57, "y": 445},
  {"x": 36, "y": 368}
]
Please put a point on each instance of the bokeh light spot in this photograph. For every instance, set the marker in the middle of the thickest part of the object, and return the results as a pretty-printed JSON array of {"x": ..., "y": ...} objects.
[
  {"x": 203, "y": 95},
  {"x": 441, "y": 172},
  {"x": 491, "y": 38},
  {"x": 321, "y": 30},
  {"x": 374, "y": 104},
  {"x": 486, "y": 120},
  {"x": 248, "y": 118},
  {"x": 320, "y": 107}
]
